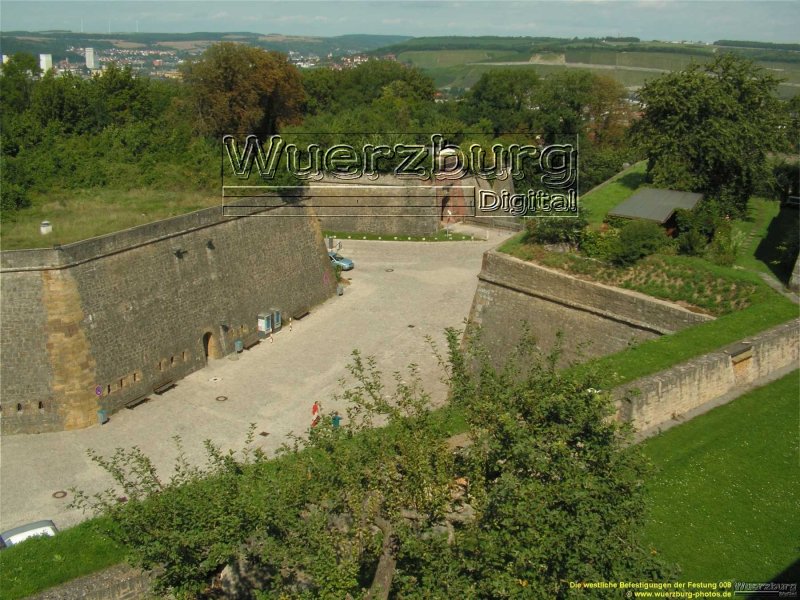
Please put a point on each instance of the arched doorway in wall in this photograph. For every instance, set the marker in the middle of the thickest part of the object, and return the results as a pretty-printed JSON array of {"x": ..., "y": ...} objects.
[{"x": 210, "y": 346}]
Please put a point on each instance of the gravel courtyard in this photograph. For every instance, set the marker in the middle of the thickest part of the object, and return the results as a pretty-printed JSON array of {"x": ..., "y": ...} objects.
[{"x": 400, "y": 293}]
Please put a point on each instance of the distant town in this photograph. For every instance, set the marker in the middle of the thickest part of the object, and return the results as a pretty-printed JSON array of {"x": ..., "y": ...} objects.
[{"x": 163, "y": 63}]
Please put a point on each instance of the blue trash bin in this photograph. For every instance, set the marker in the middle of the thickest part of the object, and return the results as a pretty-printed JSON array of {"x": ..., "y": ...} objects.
[
  {"x": 102, "y": 416},
  {"x": 238, "y": 345}
]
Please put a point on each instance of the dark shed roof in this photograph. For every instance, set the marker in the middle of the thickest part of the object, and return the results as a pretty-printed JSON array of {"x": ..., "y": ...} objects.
[{"x": 655, "y": 205}]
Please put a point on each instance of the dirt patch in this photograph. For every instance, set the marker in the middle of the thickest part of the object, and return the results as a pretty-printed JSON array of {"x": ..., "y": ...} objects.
[
  {"x": 126, "y": 45},
  {"x": 275, "y": 37},
  {"x": 548, "y": 59},
  {"x": 692, "y": 307},
  {"x": 186, "y": 45}
]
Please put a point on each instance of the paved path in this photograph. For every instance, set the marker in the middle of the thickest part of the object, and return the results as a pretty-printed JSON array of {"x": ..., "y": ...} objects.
[{"x": 272, "y": 385}]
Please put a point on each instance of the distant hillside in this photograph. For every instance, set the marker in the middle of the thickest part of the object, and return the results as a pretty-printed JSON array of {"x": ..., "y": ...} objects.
[
  {"x": 539, "y": 44},
  {"x": 57, "y": 43},
  {"x": 522, "y": 46},
  {"x": 759, "y": 45},
  {"x": 456, "y": 62}
]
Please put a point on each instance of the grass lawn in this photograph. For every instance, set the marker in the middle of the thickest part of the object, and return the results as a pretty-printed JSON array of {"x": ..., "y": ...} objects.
[
  {"x": 607, "y": 195},
  {"x": 661, "y": 353},
  {"x": 690, "y": 280},
  {"x": 439, "y": 236},
  {"x": 723, "y": 500},
  {"x": 40, "y": 563},
  {"x": 765, "y": 308},
  {"x": 80, "y": 214},
  {"x": 765, "y": 228}
]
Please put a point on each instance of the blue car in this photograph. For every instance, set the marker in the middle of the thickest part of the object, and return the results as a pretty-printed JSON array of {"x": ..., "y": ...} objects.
[{"x": 340, "y": 261}]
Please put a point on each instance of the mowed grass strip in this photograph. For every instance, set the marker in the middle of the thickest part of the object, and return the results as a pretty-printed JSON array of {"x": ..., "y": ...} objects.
[
  {"x": 606, "y": 196},
  {"x": 766, "y": 308},
  {"x": 81, "y": 214},
  {"x": 439, "y": 236},
  {"x": 40, "y": 563},
  {"x": 722, "y": 502},
  {"x": 764, "y": 232},
  {"x": 662, "y": 353}
]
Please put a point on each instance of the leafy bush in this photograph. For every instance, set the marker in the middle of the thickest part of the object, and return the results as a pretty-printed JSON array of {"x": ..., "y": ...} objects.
[
  {"x": 616, "y": 222},
  {"x": 602, "y": 245},
  {"x": 638, "y": 239},
  {"x": 353, "y": 509},
  {"x": 12, "y": 197},
  {"x": 725, "y": 245},
  {"x": 557, "y": 230},
  {"x": 692, "y": 243}
]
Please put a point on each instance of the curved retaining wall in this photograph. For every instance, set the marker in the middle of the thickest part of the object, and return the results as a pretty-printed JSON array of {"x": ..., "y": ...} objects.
[
  {"x": 99, "y": 323},
  {"x": 594, "y": 319},
  {"x": 666, "y": 398}
]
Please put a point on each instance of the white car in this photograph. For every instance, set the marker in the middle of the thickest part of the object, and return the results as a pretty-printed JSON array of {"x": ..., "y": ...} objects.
[{"x": 12, "y": 537}]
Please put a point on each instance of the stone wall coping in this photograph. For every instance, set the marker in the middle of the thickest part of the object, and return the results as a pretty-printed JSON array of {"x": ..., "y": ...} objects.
[
  {"x": 721, "y": 354},
  {"x": 495, "y": 254},
  {"x": 75, "y": 253}
]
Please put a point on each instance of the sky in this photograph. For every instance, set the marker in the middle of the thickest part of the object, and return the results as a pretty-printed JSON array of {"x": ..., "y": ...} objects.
[{"x": 693, "y": 20}]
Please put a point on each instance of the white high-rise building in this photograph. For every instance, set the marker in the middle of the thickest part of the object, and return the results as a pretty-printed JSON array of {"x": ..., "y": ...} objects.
[
  {"x": 5, "y": 58},
  {"x": 45, "y": 62},
  {"x": 91, "y": 60}
]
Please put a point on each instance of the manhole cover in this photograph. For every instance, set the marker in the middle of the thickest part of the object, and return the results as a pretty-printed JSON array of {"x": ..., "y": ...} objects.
[
  {"x": 263, "y": 434},
  {"x": 215, "y": 379},
  {"x": 389, "y": 270},
  {"x": 222, "y": 398},
  {"x": 60, "y": 494}
]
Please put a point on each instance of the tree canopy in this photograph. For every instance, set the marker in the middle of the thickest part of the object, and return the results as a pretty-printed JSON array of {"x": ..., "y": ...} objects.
[
  {"x": 543, "y": 488},
  {"x": 709, "y": 127},
  {"x": 236, "y": 88}
]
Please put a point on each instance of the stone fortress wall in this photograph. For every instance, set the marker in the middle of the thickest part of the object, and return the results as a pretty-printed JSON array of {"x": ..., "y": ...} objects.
[
  {"x": 666, "y": 398},
  {"x": 390, "y": 205},
  {"x": 594, "y": 319},
  {"x": 100, "y": 323}
]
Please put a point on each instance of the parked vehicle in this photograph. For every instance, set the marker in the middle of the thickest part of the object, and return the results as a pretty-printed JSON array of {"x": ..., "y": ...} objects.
[
  {"x": 14, "y": 536},
  {"x": 340, "y": 261}
]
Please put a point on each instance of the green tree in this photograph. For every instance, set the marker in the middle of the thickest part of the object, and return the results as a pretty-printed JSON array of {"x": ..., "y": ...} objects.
[
  {"x": 122, "y": 96},
  {"x": 321, "y": 86},
  {"x": 607, "y": 111},
  {"x": 545, "y": 489},
  {"x": 792, "y": 123},
  {"x": 554, "y": 482},
  {"x": 67, "y": 101},
  {"x": 236, "y": 88},
  {"x": 708, "y": 129},
  {"x": 16, "y": 82},
  {"x": 506, "y": 98},
  {"x": 563, "y": 100},
  {"x": 367, "y": 81}
]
